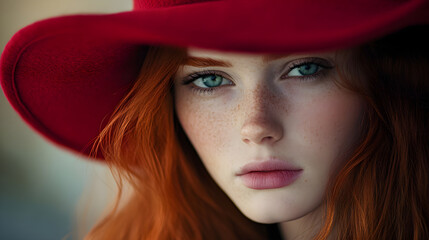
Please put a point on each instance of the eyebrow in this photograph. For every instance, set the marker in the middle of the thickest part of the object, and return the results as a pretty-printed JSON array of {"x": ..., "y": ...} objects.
[
  {"x": 272, "y": 57},
  {"x": 210, "y": 62},
  {"x": 206, "y": 62}
]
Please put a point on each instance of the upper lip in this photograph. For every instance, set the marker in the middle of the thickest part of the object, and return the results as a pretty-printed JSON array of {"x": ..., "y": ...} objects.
[{"x": 266, "y": 165}]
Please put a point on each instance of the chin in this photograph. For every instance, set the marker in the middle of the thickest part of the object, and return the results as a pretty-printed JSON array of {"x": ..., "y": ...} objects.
[
  {"x": 269, "y": 219},
  {"x": 269, "y": 214}
]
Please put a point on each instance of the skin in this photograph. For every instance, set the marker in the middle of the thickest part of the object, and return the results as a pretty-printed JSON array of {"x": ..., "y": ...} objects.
[{"x": 266, "y": 110}]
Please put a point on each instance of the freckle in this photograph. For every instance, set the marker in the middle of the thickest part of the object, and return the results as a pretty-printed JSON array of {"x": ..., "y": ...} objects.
[{"x": 266, "y": 97}]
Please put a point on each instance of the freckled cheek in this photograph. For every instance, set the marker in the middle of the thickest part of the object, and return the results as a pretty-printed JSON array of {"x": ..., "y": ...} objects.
[{"x": 206, "y": 126}]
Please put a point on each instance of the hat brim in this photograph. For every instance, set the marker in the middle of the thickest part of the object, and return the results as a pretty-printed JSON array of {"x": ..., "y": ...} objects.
[{"x": 65, "y": 75}]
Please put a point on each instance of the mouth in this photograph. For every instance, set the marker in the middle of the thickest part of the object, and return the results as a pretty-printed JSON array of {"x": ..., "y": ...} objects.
[{"x": 273, "y": 173}]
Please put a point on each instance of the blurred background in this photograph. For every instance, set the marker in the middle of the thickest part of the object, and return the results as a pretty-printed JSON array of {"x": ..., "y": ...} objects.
[{"x": 47, "y": 192}]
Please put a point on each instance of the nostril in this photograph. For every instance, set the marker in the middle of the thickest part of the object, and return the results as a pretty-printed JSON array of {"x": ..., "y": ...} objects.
[{"x": 267, "y": 139}]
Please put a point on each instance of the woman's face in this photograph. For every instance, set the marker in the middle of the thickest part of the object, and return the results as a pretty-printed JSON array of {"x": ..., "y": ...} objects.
[{"x": 271, "y": 130}]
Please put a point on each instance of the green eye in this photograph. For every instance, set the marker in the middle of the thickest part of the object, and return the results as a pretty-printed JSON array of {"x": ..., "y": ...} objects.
[
  {"x": 210, "y": 81},
  {"x": 304, "y": 70}
]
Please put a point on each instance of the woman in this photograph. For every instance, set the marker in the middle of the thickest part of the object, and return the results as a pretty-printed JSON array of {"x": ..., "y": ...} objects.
[{"x": 291, "y": 140}]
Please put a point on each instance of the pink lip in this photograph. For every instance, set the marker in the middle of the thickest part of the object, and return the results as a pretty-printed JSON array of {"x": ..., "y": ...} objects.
[{"x": 273, "y": 173}]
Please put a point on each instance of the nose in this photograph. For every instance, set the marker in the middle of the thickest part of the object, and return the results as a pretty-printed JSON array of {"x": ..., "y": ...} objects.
[{"x": 262, "y": 124}]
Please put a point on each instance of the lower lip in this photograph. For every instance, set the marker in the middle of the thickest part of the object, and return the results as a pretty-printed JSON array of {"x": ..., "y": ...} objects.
[{"x": 270, "y": 179}]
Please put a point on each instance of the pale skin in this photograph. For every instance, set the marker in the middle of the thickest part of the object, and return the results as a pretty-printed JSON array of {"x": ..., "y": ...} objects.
[{"x": 264, "y": 107}]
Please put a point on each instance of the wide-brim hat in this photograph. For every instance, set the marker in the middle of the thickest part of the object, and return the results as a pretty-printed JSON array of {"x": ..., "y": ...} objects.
[{"x": 65, "y": 75}]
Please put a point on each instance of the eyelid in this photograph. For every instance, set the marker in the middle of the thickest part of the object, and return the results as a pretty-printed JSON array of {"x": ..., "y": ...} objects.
[
  {"x": 299, "y": 62},
  {"x": 324, "y": 64},
  {"x": 194, "y": 76}
]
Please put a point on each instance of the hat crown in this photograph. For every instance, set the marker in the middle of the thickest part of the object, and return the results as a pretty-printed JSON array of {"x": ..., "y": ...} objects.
[{"x": 147, "y": 4}]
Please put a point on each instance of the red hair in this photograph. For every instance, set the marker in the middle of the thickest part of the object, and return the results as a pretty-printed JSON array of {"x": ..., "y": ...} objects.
[
  {"x": 383, "y": 190},
  {"x": 174, "y": 197},
  {"x": 381, "y": 193}
]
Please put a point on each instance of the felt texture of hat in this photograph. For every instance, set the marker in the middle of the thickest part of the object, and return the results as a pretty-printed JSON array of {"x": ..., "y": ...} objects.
[{"x": 65, "y": 75}]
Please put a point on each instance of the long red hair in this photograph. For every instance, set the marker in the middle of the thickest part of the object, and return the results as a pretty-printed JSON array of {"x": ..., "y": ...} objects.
[
  {"x": 383, "y": 190},
  {"x": 174, "y": 197},
  {"x": 381, "y": 193}
]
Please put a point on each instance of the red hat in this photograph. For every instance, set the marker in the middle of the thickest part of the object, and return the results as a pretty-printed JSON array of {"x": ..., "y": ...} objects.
[{"x": 65, "y": 75}]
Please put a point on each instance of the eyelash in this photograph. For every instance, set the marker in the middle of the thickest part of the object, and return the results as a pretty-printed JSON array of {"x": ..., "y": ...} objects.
[
  {"x": 191, "y": 78},
  {"x": 322, "y": 65}
]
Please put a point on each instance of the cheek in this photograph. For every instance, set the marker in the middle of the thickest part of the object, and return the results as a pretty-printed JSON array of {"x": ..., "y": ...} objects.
[
  {"x": 329, "y": 125},
  {"x": 204, "y": 125}
]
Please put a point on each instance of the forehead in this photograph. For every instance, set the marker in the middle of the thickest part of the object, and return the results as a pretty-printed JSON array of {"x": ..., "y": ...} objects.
[
  {"x": 219, "y": 55},
  {"x": 199, "y": 57}
]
